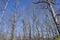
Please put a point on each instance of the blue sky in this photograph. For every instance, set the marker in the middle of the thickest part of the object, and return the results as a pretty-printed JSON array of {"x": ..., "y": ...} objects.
[{"x": 25, "y": 7}]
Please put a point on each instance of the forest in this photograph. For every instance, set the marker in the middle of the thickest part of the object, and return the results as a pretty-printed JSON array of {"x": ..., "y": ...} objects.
[{"x": 29, "y": 19}]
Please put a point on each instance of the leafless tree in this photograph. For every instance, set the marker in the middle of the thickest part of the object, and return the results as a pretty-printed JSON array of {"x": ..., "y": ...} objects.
[
  {"x": 13, "y": 26},
  {"x": 49, "y": 2}
]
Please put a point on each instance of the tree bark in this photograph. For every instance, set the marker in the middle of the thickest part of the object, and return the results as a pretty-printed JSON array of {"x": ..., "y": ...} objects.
[{"x": 54, "y": 16}]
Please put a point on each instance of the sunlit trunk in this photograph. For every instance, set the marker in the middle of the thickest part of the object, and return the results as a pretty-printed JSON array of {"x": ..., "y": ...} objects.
[{"x": 54, "y": 16}]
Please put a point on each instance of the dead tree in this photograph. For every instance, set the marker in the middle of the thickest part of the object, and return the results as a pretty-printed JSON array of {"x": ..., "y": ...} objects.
[
  {"x": 52, "y": 12},
  {"x": 34, "y": 19},
  {"x": 13, "y": 27},
  {"x": 29, "y": 30},
  {"x": 24, "y": 29},
  {"x": 49, "y": 28},
  {"x": 37, "y": 28}
]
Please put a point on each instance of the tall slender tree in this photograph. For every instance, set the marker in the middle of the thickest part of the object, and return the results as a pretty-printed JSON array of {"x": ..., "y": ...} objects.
[{"x": 49, "y": 2}]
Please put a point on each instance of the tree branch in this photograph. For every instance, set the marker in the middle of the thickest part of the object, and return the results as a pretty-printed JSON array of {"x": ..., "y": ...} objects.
[
  {"x": 4, "y": 9},
  {"x": 58, "y": 14},
  {"x": 40, "y": 2}
]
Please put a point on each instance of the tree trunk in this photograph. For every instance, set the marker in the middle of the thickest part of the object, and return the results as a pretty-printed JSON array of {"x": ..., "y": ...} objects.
[
  {"x": 54, "y": 16},
  {"x": 13, "y": 27}
]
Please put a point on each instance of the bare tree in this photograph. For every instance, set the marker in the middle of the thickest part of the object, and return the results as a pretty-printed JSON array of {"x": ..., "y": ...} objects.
[
  {"x": 38, "y": 27},
  {"x": 48, "y": 27},
  {"x": 49, "y": 2},
  {"x": 13, "y": 26},
  {"x": 33, "y": 18},
  {"x": 29, "y": 27}
]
